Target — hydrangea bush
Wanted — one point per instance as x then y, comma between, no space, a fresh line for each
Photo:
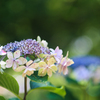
36,61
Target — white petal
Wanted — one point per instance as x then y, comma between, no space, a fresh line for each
52,51
28,71
15,65
2,63
3,66
1,48
21,61
38,39
44,43
10,55
9,63
17,54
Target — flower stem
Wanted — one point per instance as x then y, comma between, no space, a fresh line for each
25,88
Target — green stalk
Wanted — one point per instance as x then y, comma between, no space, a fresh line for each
25,88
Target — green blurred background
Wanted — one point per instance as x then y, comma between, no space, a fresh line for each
73,25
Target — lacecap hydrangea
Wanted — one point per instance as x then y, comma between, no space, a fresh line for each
33,55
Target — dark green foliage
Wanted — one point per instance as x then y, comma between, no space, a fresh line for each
59,22
2,98
35,78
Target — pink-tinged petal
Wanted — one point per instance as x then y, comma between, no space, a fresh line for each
29,63
10,55
65,70
9,63
49,72
17,54
58,51
21,61
15,65
34,65
70,62
2,52
57,48
20,68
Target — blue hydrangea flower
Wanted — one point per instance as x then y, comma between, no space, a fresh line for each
81,73
85,61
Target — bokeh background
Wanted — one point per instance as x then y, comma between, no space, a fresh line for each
73,25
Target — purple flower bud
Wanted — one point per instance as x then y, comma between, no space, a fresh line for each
28,46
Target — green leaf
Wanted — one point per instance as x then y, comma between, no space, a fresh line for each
32,57
2,98
27,58
13,99
35,78
60,91
48,87
8,82
71,81
42,84
93,90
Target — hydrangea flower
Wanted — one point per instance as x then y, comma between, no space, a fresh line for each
86,68
47,67
29,68
28,56
65,62
49,60
57,54
85,61
43,42
14,60
81,73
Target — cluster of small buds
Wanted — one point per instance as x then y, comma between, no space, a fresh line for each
28,46
49,62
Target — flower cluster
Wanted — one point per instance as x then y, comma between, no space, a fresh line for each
86,68
28,46
21,58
